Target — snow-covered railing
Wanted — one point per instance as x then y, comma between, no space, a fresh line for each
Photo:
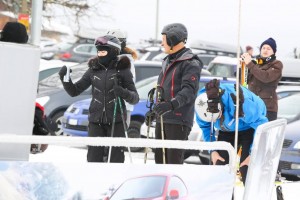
126,142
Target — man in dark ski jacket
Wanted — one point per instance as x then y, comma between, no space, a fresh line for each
101,73
177,87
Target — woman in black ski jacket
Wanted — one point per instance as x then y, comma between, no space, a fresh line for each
101,75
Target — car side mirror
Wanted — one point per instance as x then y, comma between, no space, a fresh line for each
174,194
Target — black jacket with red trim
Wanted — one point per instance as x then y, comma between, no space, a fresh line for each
180,80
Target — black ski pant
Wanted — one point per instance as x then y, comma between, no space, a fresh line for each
245,139
171,132
100,153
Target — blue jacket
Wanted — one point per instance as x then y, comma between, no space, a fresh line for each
254,109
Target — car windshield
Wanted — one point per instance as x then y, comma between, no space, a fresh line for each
141,188
224,70
206,59
288,107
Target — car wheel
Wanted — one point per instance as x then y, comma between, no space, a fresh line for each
57,118
134,132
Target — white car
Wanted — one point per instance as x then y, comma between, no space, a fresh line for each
49,67
195,134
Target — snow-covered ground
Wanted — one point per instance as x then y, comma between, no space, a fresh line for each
61,154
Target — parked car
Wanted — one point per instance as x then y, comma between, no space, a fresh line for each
223,66
226,66
160,55
47,45
151,187
81,51
214,48
289,162
54,98
205,50
49,67
51,52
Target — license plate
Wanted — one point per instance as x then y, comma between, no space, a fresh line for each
73,121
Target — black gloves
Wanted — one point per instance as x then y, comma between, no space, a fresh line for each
212,92
120,91
63,71
149,117
241,101
166,106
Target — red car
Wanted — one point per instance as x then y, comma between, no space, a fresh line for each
151,187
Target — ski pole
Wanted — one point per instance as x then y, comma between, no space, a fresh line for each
112,129
160,99
211,134
151,100
244,74
123,119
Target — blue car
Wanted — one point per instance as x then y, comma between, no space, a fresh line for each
75,120
288,105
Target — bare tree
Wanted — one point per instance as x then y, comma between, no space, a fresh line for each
75,13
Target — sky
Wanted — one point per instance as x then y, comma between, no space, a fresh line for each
211,20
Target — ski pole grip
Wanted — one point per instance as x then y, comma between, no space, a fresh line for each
67,76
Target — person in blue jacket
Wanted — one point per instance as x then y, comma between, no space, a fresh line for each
217,104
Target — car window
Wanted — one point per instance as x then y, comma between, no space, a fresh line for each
222,70
206,59
64,45
143,72
288,107
140,188
177,184
84,49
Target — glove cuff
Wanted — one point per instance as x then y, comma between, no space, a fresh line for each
174,103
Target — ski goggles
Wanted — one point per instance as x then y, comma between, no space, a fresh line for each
103,41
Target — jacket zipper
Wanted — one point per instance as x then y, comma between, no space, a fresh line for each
104,110
163,79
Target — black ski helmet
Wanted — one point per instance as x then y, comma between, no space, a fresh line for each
109,41
175,33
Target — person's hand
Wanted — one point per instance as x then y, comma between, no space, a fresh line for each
212,89
215,156
246,57
245,162
119,91
165,106
212,92
149,117
63,71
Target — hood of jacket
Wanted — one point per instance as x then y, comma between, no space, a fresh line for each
120,63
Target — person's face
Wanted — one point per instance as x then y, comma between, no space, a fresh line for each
102,53
266,51
164,44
